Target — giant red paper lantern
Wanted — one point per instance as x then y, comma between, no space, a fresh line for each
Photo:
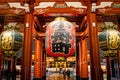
60,38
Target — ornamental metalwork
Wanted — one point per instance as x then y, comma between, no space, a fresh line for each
11,40
109,39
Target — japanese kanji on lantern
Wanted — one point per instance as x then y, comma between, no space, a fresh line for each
60,38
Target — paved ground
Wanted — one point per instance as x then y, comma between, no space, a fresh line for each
57,76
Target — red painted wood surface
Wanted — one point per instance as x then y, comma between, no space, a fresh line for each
38,59
27,49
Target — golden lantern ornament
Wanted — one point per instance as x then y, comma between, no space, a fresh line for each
109,39
10,40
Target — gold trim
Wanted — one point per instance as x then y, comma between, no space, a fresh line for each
61,18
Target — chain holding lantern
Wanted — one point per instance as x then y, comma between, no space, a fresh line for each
109,39
11,40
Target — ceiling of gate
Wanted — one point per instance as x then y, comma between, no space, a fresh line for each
41,9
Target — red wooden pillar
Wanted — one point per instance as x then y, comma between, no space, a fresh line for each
83,60
44,66
27,48
78,61
38,60
93,44
94,47
1,63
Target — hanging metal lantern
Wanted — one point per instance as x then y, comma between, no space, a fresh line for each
10,41
60,38
109,40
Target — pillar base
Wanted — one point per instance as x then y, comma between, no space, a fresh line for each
43,77
37,79
78,78
84,79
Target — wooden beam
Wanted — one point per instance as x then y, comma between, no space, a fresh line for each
57,0
4,1
77,19
84,21
43,19
42,34
60,11
12,11
108,11
37,25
